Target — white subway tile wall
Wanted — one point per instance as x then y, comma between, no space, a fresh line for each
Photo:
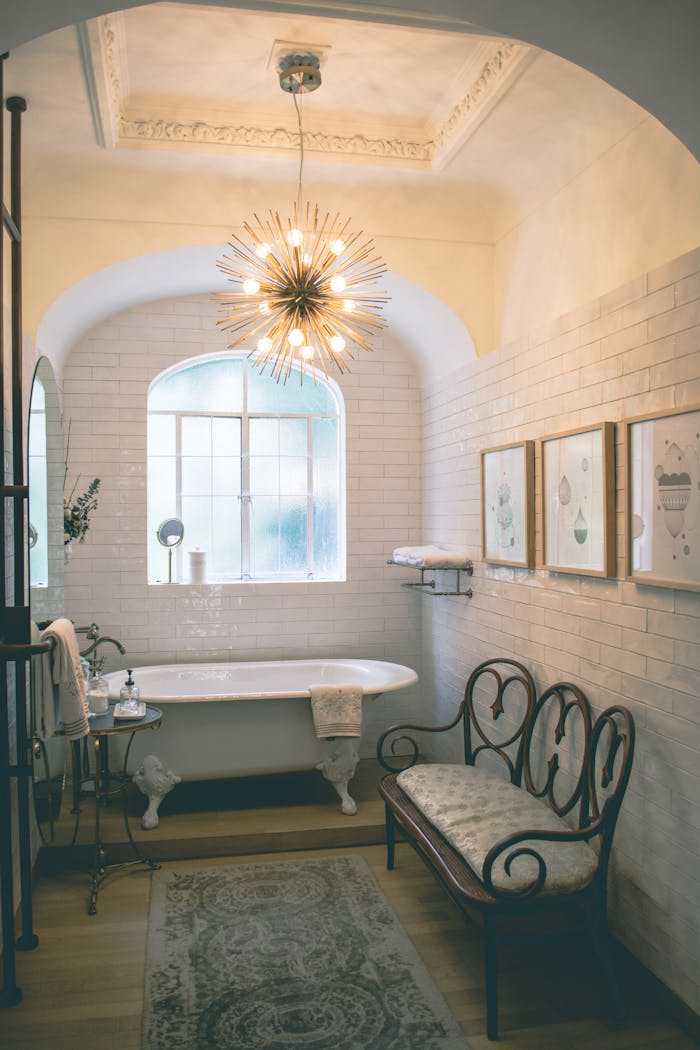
370,615
636,350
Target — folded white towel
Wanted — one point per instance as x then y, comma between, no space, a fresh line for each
430,557
336,710
67,674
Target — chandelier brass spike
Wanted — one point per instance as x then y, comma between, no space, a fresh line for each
306,285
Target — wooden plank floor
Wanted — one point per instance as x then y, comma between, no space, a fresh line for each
83,985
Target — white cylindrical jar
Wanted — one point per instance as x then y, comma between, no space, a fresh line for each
198,566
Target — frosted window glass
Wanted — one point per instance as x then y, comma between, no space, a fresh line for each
293,476
325,534
196,475
264,437
162,492
293,440
267,395
162,504
325,438
196,517
293,530
226,476
264,538
325,477
226,437
209,386
205,438
224,559
196,436
161,435
264,475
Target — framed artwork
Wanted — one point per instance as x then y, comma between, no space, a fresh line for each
663,499
508,504
578,501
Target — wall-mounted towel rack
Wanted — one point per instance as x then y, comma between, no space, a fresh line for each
428,586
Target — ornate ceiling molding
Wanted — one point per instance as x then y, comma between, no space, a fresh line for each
103,52
243,137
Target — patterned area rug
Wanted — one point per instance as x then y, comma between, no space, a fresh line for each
287,955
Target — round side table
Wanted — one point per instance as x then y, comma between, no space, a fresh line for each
108,784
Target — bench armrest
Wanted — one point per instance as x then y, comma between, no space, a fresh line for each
404,729
509,845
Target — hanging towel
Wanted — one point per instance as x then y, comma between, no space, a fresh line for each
67,674
430,557
336,710
44,692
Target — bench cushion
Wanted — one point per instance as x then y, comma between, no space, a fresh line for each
474,808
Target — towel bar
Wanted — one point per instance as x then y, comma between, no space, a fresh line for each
428,586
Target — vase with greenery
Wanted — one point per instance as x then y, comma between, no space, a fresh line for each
77,511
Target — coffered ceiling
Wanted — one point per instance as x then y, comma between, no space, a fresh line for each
187,89
169,76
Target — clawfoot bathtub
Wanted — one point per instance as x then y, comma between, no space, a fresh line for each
238,719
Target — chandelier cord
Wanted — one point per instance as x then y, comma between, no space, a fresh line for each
301,152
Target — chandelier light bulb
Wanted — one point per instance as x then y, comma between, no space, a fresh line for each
291,275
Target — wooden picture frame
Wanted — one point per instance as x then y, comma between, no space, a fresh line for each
508,504
578,501
662,487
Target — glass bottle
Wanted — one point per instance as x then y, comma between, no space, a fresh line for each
129,696
97,695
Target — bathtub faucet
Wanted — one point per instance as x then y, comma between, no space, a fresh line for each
92,650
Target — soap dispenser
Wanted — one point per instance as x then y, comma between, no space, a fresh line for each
129,696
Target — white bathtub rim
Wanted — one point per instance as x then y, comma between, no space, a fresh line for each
392,677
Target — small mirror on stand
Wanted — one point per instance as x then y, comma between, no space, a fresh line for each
170,533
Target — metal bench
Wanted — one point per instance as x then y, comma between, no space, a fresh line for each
523,827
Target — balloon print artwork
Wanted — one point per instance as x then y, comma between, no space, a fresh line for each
507,504
665,499
574,507
504,515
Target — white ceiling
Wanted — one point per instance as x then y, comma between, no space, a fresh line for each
171,115
189,89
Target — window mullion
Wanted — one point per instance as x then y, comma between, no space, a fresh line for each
178,489
245,482
310,496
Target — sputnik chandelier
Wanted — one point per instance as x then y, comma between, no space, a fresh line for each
306,283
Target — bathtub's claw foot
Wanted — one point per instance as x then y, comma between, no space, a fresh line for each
155,781
338,768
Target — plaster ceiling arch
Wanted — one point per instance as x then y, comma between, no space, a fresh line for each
418,321
645,49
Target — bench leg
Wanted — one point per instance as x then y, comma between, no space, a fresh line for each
390,838
491,969
603,948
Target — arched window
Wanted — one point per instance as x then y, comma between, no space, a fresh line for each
254,469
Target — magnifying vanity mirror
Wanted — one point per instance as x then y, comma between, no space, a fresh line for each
45,473
170,534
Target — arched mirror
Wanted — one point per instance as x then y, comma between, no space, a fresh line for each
45,474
